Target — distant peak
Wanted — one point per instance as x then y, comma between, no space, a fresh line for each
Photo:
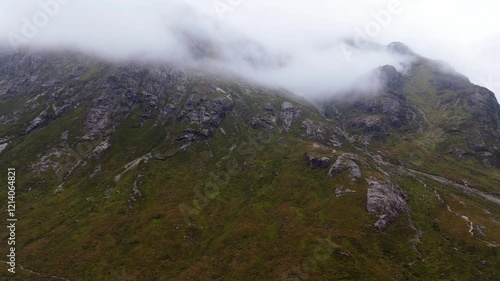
388,69
398,47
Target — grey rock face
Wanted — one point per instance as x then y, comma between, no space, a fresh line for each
100,148
37,122
368,124
380,114
484,130
346,161
283,119
320,132
484,107
386,112
287,106
391,78
289,114
265,124
192,135
313,131
134,195
197,112
386,200
317,162
3,146
97,120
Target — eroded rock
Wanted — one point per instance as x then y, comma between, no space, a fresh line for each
346,161
3,146
37,122
341,192
134,194
289,114
321,132
317,162
265,124
198,112
386,200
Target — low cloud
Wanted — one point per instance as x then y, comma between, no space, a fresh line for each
313,48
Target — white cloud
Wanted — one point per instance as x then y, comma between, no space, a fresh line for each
303,35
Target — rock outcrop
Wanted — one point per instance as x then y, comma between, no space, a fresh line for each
321,132
317,162
346,161
37,122
289,114
386,200
265,124
207,113
388,110
283,119
3,146
341,192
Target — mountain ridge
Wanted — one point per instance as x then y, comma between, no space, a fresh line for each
203,177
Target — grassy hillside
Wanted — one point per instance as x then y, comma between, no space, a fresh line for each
152,196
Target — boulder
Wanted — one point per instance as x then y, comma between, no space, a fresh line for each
317,162
386,200
346,161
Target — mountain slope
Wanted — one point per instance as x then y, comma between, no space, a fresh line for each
147,172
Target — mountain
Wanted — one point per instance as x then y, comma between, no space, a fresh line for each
137,171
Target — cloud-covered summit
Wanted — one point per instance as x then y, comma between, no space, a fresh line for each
310,47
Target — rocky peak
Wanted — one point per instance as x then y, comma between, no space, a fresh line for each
400,48
390,78
110,139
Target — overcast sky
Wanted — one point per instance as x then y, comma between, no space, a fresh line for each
294,44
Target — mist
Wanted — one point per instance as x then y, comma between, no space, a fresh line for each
313,48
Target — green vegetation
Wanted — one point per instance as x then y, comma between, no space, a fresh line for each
260,212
